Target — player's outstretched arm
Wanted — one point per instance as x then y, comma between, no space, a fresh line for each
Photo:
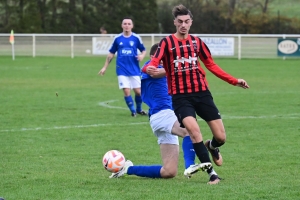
156,72
242,83
108,60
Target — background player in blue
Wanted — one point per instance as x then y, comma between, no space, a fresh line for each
166,128
127,44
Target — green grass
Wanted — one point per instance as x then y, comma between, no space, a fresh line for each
288,8
52,146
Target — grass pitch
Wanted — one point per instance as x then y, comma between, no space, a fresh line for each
52,145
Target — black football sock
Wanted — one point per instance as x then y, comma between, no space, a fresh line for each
201,152
215,144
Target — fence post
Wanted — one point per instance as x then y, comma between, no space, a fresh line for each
152,39
72,46
239,47
33,45
283,37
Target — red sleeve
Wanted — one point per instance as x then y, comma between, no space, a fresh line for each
209,63
155,60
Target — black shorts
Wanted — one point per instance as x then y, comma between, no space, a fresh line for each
200,103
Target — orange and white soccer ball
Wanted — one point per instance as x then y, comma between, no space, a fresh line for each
113,161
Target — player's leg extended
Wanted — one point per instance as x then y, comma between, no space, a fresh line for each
207,110
169,154
169,149
149,171
185,112
200,149
161,124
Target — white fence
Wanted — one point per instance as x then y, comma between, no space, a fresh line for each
244,45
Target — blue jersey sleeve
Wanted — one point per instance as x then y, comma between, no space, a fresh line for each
114,47
140,45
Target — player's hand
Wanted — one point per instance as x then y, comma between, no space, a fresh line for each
242,83
102,71
139,57
152,71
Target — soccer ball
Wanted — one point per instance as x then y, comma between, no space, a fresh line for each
113,161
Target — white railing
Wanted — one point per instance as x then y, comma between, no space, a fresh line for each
245,45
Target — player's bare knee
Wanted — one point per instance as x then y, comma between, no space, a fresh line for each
220,139
169,173
196,137
222,136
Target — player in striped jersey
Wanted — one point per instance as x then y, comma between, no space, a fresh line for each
166,128
127,44
189,88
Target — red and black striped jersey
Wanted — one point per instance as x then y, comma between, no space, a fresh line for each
183,69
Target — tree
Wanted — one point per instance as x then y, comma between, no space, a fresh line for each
151,16
31,21
165,18
43,12
113,12
145,16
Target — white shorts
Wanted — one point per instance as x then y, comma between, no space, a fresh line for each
162,124
129,82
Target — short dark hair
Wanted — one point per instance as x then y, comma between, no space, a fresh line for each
181,10
127,18
153,49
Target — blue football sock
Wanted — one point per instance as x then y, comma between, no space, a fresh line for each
130,104
188,151
152,171
138,101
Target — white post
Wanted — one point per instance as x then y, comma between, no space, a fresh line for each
283,36
72,46
239,47
152,39
33,45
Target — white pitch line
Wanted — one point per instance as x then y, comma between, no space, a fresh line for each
255,93
289,116
71,127
106,105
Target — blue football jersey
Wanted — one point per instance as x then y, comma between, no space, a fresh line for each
154,92
127,51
